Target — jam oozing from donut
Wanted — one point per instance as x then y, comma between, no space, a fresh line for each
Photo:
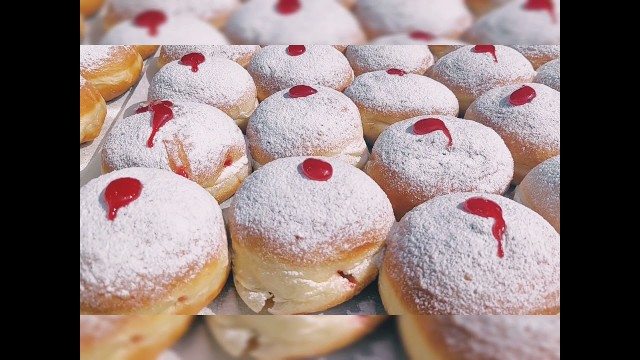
161,115
182,171
486,49
427,126
120,193
148,105
151,20
396,72
295,50
301,91
287,7
228,162
522,96
421,35
193,60
316,169
542,5
488,209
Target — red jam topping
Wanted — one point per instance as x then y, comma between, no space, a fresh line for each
426,126
522,96
488,209
182,171
396,72
147,107
193,60
161,115
228,162
316,169
486,49
542,5
295,50
421,35
301,91
151,20
120,193
287,7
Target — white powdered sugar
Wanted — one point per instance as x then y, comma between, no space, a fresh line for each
395,94
325,123
179,29
542,184
199,136
93,57
549,74
410,58
274,69
538,51
407,39
82,81
316,22
423,164
230,52
442,253
93,327
166,235
205,9
309,221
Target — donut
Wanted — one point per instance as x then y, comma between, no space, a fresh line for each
279,22
156,27
307,121
424,157
151,242
278,67
129,337
539,55
527,117
469,337
415,59
307,234
481,7
438,46
289,337
348,3
90,7
241,54
111,69
472,70
82,26
146,51
385,97
93,110
522,22
210,80
214,12
540,191
471,253
443,18
549,74
197,141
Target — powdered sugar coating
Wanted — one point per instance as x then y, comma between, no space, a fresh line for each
206,9
542,185
230,52
96,327
307,221
444,259
406,39
316,22
82,81
160,240
538,51
93,57
410,58
549,74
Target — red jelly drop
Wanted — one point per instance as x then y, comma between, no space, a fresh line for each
396,72
161,115
426,126
486,49
316,169
228,162
120,193
522,96
301,91
421,35
546,5
147,106
286,7
182,171
488,209
193,60
151,19
295,50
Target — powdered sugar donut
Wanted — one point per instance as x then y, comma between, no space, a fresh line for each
471,253
104,337
288,337
111,69
473,70
151,242
414,59
197,141
93,110
540,191
418,159
241,54
527,117
278,67
307,121
438,46
446,18
307,234
469,337
281,22
539,54
214,81
549,74
386,97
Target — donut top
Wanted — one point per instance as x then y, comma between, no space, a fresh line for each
399,93
194,143
415,38
446,252
550,51
543,186
230,52
203,8
305,221
549,74
410,58
165,235
96,56
478,71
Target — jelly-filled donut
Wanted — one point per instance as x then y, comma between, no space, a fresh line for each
540,191
539,55
93,110
111,69
439,46
549,74
414,59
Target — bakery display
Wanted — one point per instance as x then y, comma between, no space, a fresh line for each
111,69
540,190
241,54
93,110
549,74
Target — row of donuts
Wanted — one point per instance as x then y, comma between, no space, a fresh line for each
525,22
285,337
